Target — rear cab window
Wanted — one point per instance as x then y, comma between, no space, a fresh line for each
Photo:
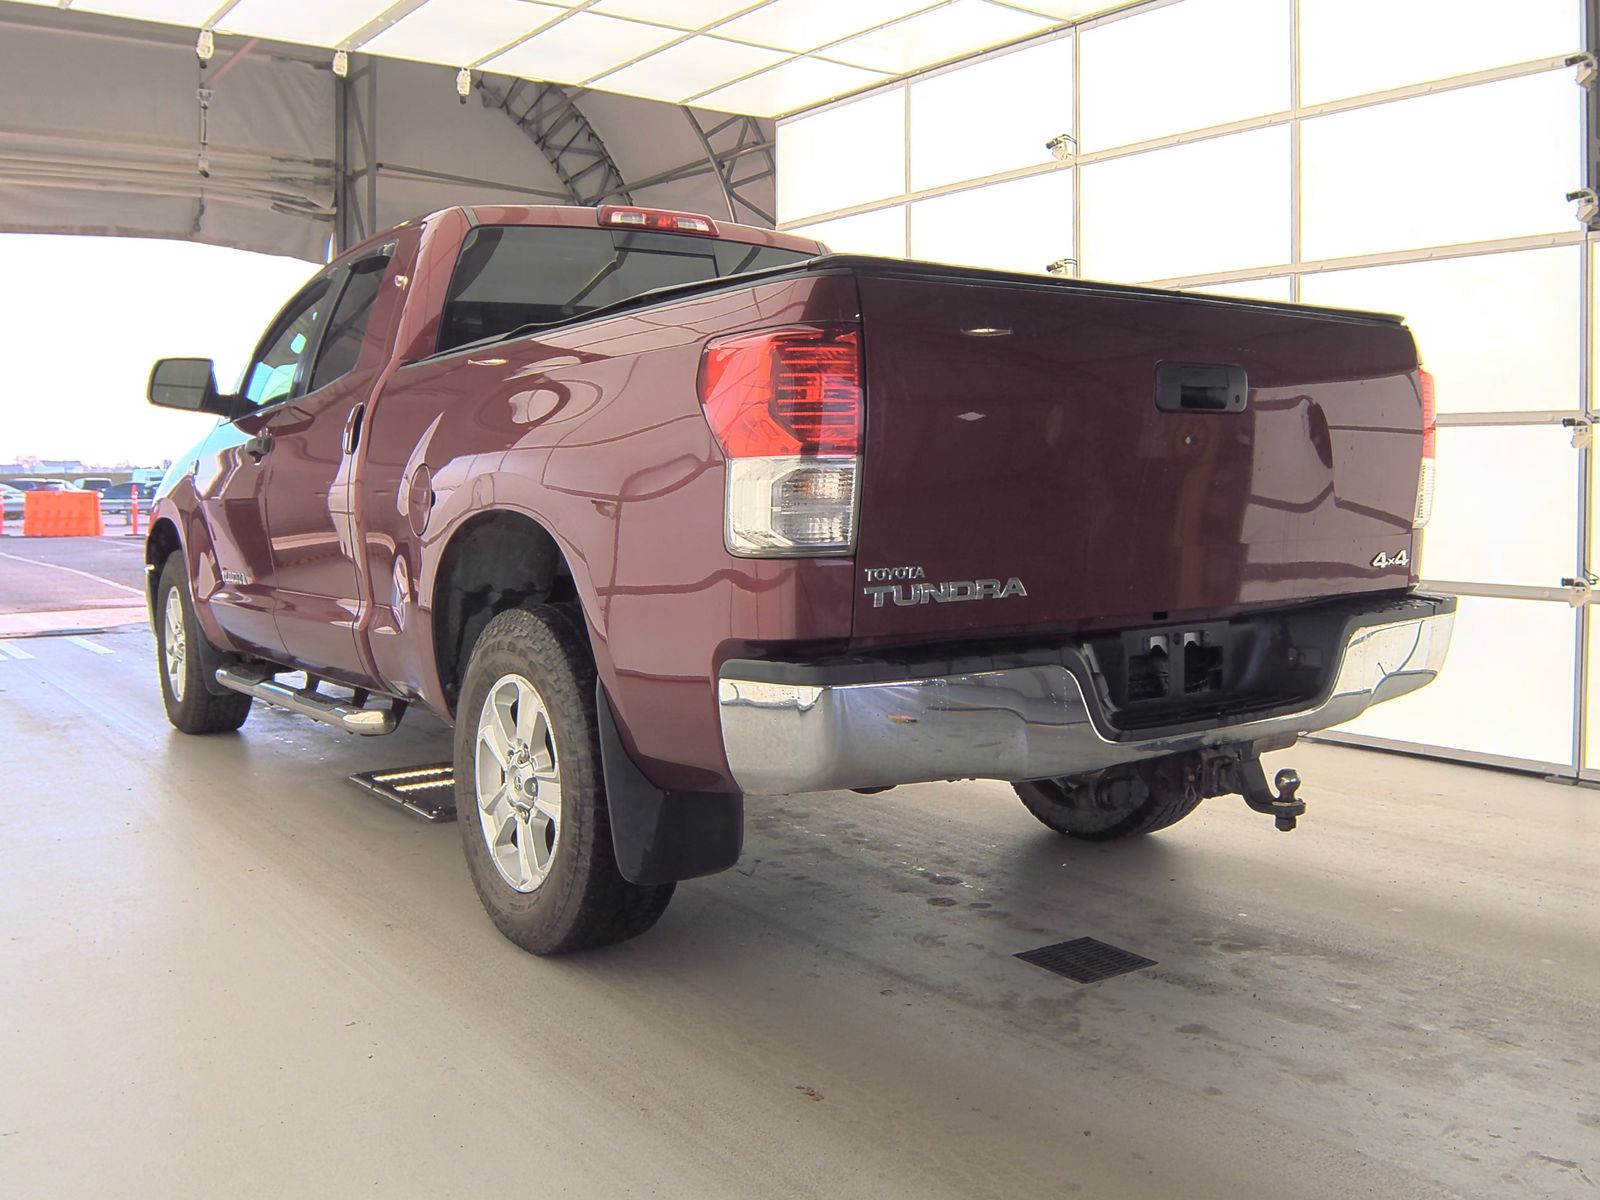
508,276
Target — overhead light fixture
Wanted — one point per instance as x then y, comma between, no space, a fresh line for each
341,63
463,84
205,46
1063,146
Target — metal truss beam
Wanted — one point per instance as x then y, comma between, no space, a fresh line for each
549,114
355,196
740,150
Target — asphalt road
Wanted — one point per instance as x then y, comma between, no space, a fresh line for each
51,574
226,971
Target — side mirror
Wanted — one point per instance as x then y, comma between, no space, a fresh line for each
190,385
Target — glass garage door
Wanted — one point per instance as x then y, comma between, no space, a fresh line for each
1414,156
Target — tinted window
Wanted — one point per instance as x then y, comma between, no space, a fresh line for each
514,275
347,329
272,374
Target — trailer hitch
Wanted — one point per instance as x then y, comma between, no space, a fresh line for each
1281,801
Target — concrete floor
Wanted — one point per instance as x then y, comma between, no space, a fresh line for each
225,971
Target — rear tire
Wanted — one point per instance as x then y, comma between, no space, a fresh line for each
1107,806
191,706
530,792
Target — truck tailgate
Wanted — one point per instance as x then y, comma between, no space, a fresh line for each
1014,434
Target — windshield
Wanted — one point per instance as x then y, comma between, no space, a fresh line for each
514,275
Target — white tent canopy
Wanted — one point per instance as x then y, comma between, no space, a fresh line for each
111,124
103,131
759,57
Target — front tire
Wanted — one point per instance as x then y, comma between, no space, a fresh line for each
530,792
191,706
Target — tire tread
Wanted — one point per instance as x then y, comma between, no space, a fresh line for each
597,906
201,711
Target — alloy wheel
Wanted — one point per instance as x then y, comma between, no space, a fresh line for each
517,778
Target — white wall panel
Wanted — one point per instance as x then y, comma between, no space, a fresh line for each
1506,688
843,156
1184,66
1591,749
955,135
1356,47
1280,289
1505,506
1592,673
1023,225
1474,164
1217,205
1449,178
882,231
1500,332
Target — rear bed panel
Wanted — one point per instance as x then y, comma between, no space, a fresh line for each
1013,433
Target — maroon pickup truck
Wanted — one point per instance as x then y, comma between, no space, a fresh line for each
662,513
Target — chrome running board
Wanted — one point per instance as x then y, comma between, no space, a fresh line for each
309,702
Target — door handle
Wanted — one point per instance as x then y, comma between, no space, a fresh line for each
352,428
258,446
1201,387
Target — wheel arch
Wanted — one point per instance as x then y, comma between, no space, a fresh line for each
494,561
160,544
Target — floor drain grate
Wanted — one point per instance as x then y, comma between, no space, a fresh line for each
428,791
1085,960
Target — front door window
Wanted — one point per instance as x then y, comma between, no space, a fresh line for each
273,374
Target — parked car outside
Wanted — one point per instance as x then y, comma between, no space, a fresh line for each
117,499
12,500
93,483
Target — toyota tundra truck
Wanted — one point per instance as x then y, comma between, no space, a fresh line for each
663,513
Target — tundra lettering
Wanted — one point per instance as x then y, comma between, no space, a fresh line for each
944,593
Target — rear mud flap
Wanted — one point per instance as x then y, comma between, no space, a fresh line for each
659,836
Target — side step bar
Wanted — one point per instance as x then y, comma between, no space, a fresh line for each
308,702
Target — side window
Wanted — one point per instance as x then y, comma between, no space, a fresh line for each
271,376
347,328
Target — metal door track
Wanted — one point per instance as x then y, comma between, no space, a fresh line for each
427,791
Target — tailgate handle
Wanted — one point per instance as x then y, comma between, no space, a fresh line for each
1200,387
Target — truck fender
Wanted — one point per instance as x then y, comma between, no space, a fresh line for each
661,836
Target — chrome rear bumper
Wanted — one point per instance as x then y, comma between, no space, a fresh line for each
1018,723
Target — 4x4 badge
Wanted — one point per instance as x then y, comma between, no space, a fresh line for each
1384,559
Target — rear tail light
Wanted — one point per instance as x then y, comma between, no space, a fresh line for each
786,407
659,219
1430,434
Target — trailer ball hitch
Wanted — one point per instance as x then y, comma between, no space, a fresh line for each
1281,801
